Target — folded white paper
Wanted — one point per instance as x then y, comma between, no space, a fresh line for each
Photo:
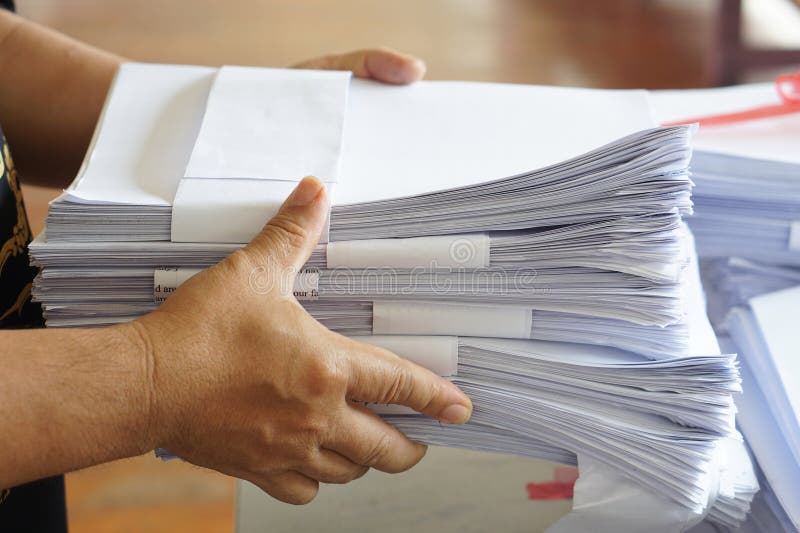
271,124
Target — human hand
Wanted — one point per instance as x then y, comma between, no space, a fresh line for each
379,64
244,381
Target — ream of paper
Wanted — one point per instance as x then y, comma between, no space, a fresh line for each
473,132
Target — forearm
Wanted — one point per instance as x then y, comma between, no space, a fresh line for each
71,399
52,90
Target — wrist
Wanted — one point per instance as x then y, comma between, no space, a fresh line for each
141,362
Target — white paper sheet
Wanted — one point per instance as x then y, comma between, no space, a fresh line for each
227,210
606,502
777,317
769,445
473,132
144,136
273,124
774,138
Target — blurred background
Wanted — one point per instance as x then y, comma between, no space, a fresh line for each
593,43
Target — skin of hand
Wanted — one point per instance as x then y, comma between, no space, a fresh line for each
244,381
380,64
236,379
53,88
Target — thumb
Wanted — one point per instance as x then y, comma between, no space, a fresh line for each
289,238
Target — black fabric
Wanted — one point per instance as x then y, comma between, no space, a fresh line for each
38,506
7,4
16,273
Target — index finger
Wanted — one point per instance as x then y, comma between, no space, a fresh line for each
376,375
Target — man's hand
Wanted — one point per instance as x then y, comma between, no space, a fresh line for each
244,381
379,64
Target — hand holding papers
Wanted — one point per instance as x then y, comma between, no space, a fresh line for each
529,229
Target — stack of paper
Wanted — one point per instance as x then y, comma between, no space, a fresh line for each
747,222
747,175
769,409
732,282
468,220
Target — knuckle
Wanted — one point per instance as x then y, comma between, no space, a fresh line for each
238,261
378,452
432,393
325,377
400,387
306,454
286,232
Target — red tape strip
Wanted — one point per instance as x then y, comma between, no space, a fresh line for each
788,87
550,490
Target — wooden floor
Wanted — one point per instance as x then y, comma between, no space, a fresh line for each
603,43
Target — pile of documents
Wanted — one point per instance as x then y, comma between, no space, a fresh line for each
526,242
765,334
733,281
747,224
747,199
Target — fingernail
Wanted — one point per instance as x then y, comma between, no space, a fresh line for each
305,192
420,67
455,414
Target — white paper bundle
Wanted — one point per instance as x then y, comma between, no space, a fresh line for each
769,408
501,214
649,246
578,291
733,281
392,318
397,178
747,175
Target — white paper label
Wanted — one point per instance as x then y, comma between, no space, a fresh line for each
166,280
794,236
438,354
467,320
272,124
448,251
227,210
306,285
